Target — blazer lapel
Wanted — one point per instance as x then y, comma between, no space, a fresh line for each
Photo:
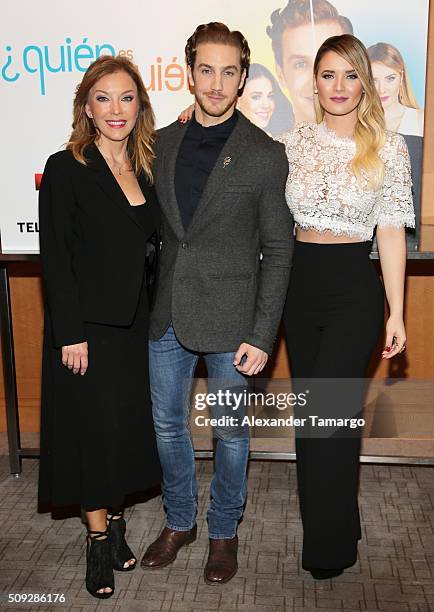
169,203
108,183
226,164
146,188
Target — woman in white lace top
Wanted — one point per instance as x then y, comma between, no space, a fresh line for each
347,176
324,194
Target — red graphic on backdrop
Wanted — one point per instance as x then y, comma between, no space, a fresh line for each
38,178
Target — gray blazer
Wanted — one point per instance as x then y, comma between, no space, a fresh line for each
212,285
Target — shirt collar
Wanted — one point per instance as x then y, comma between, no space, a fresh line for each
221,129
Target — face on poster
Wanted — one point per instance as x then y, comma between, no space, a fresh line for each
41,66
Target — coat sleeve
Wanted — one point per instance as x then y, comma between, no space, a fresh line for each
56,238
277,242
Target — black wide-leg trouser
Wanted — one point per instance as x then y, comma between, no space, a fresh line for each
333,318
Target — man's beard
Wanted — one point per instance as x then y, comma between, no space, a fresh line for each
213,111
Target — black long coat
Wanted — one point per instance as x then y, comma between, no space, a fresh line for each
97,437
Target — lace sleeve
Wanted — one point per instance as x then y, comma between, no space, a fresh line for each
290,140
396,209
281,138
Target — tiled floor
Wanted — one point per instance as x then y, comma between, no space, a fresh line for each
394,572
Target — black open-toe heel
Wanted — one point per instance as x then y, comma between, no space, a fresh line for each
99,571
119,549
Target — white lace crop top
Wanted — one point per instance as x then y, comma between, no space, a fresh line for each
323,193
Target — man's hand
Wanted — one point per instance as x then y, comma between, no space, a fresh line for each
74,357
255,359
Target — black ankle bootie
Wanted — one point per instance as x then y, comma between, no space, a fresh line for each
99,571
119,549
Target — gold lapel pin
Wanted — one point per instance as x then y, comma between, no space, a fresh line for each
227,161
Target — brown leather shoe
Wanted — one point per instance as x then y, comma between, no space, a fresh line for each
163,551
222,562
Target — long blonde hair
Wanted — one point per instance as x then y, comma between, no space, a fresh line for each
370,130
140,141
391,57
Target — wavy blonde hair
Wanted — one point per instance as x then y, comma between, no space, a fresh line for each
370,130
389,55
84,133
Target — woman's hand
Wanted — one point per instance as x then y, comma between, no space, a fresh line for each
395,337
186,114
74,357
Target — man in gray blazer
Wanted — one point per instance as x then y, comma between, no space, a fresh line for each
225,262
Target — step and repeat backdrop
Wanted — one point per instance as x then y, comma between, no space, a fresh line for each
46,46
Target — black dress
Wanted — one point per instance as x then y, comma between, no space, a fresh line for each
97,436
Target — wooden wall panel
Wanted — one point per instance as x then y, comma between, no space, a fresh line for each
428,154
418,361
26,300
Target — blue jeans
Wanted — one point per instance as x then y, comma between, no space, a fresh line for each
171,368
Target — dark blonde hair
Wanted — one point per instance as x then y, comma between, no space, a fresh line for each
390,56
84,132
370,131
216,32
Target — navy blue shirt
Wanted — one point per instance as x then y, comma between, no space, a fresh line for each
197,156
